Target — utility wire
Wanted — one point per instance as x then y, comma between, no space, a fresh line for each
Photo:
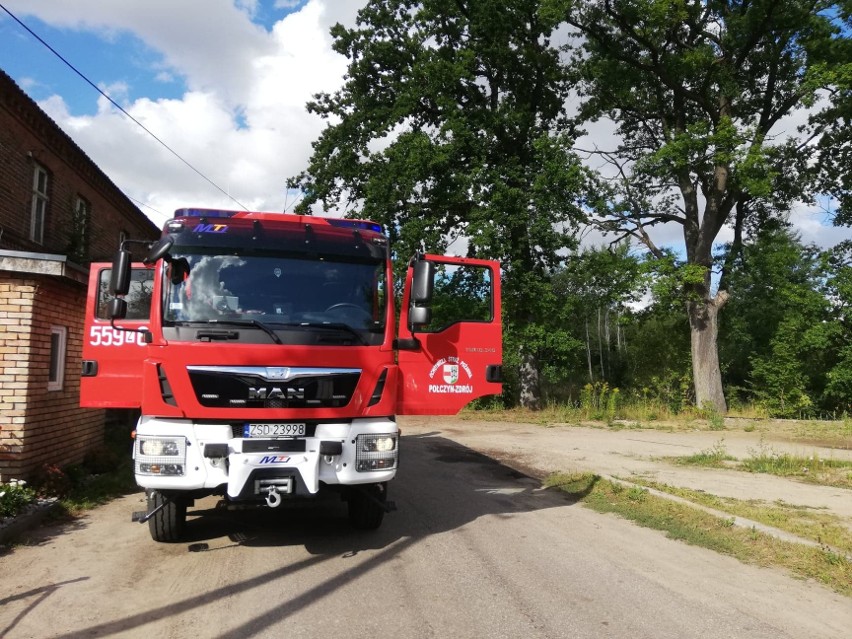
120,108
148,206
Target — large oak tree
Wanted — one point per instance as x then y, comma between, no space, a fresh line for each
702,95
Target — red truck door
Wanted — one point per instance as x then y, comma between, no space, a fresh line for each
112,358
458,356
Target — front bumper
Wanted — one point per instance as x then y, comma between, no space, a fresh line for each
244,468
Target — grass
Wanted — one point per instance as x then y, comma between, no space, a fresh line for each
696,527
827,472
808,523
812,468
715,457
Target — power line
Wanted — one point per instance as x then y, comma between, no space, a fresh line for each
148,206
120,108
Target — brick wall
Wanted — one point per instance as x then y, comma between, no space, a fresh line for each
41,426
15,328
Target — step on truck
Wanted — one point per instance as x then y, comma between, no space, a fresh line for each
264,356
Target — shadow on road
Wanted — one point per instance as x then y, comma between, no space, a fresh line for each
441,486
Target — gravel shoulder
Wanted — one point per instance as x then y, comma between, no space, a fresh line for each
541,450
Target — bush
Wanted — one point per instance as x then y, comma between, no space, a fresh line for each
51,481
14,497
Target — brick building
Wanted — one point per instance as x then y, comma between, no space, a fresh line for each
58,213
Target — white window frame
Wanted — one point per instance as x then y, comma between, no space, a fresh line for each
38,209
56,366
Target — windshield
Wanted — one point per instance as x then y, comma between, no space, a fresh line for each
281,293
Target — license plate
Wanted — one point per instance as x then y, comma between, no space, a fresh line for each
274,430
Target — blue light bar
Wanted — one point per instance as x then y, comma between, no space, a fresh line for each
363,225
205,213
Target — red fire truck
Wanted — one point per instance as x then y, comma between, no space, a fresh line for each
263,354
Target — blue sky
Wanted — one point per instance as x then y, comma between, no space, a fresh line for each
104,58
103,55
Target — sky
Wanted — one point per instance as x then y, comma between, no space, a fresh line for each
223,83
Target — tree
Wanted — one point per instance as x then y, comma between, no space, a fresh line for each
697,92
449,127
777,335
838,391
594,288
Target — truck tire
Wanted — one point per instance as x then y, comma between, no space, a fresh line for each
168,524
367,506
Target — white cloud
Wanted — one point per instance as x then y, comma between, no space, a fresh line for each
242,121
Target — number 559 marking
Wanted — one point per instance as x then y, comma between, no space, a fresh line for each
109,336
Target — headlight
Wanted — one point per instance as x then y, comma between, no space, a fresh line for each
160,455
158,447
376,452
378,443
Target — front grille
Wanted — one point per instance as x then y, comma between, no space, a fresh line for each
255,387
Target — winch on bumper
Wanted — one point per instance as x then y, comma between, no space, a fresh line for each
179,455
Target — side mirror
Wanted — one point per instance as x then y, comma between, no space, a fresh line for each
423,282
422,288
117,308
419,316
119,281
159,249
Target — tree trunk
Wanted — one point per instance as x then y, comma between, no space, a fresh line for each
600,346
704,330
529,381
589,352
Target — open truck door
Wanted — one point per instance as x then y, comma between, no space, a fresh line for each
450,335
112,358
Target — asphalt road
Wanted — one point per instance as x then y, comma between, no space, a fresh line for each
476,549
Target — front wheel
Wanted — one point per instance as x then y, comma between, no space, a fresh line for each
168,523
367,506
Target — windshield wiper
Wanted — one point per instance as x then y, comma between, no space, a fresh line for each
249,322
334,326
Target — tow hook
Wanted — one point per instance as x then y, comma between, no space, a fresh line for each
142,517
273,497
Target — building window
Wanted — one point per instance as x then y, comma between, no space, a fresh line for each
39,205
78,248
56,374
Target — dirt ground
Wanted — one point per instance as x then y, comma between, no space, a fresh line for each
627,452
476,549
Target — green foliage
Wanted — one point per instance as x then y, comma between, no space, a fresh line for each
599,402
715,420
697,92
779,338
451,129
450,126
15,497
714,457
462,293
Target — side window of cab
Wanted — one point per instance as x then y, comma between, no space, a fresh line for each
138,297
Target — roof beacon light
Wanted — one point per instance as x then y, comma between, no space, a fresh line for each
205,213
